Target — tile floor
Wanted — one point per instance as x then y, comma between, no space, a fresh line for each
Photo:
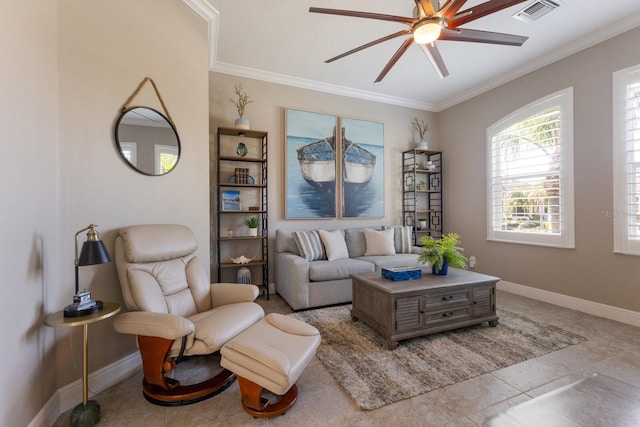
595,383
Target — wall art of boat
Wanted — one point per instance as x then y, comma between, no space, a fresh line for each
318,164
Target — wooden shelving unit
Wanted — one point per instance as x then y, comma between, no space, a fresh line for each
229,158
422,192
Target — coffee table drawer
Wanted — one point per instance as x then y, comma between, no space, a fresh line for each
448,316
449,299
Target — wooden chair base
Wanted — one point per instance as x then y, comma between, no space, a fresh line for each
187,394
254,404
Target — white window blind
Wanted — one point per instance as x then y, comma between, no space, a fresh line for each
626,159
530,165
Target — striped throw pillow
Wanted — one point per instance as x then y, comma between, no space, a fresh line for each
402,238
309,245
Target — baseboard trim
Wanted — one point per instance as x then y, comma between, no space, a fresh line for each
70,395
597,309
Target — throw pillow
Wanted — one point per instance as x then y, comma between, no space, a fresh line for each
309,245
402,238
334,244
379,242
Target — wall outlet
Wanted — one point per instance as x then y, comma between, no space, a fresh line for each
472,261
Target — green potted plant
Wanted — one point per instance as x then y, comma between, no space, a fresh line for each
241,103
421,127
253,223
422,222
442,253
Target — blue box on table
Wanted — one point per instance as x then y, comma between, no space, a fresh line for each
401,273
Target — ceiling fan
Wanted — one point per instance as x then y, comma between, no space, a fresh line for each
428,25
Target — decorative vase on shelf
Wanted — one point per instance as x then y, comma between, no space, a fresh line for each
244,276
242,123
422,145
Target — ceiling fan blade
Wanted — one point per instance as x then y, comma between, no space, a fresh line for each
373,43
394,58
369,15
483,9
432,52
478,36
426,7
450,8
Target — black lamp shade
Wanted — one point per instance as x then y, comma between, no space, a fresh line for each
93,252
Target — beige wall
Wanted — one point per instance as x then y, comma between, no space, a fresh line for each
267,113
70,67
29,261
591,271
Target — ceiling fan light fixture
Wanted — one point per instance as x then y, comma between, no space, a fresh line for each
427,32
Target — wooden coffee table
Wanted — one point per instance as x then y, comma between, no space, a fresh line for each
412,308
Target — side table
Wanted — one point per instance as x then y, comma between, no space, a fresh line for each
87,413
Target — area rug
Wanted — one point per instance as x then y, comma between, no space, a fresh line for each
374,376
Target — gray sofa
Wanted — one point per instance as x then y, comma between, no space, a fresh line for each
305,284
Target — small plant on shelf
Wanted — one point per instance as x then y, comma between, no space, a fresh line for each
420,126
252,222
442,253
242,101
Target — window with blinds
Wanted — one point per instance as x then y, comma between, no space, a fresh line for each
530,182
166,157
626,161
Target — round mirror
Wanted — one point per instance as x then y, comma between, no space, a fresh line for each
147,140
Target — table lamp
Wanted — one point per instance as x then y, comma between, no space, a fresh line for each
93,252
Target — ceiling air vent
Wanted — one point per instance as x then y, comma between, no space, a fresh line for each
535,10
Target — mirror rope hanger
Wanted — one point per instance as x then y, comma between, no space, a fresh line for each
155,88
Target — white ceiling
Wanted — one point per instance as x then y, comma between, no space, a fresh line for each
280,41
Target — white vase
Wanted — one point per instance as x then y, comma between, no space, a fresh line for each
422,145
253,232
242,123
244,275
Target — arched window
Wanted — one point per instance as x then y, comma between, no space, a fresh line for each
530,174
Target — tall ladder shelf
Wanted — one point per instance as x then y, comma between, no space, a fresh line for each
242,150
422,193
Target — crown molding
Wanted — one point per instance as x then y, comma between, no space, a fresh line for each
212,16
283,79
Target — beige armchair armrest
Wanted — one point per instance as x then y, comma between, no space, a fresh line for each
229,293
150,324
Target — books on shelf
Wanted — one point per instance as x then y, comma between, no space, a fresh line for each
242,175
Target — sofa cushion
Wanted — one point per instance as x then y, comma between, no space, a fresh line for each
309,245
397,260
324,270
379,242
334,244
284,241
355,242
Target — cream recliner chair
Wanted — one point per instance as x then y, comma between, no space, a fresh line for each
174,311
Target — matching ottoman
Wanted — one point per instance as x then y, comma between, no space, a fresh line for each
270,354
